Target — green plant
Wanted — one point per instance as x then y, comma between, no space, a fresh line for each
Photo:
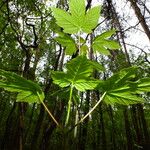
122,87
27,90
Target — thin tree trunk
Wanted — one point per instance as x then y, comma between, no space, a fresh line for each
136,125
37,129
110,111
102,125
144,126
85,124
129,136
140,17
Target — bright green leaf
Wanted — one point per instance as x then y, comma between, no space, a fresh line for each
142,85
91,19
86,84
77,10
77,75
96,65
118,89
102,44
122,98
27,90
107,34
77,20
68,42
100,49
65,20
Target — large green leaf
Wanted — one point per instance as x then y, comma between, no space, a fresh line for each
77,75
77,20
27,90
96,65
102,44
77,10
123,98
142,85
118,89
91,19
68,42
65,21
119,80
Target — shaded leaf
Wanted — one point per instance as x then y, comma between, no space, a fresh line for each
96,65
118,89
27,90
68,42
142,85
122,98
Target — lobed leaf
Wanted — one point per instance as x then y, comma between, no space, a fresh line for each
77,20
65,20
91,19
77,10
27,90
125,98
102,44
77,75
119,90
142,85
68,42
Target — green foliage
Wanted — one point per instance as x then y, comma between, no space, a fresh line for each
120,91
27,90
95,65
77,20
68,42
102,44
142,85
77,75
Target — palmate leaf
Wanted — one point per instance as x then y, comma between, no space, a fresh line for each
124,98
119,80
68,42
142,85
65,21
77,75
91,19
77,10
96,65
101,43
77,20
118,89
27,90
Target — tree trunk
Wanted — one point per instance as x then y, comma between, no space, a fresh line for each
140,17
102,126
110,111
129,136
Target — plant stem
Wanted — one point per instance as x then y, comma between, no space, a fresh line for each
82,119
48,111
50,114
76,121
69,105
79,34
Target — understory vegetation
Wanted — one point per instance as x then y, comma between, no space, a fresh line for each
69,80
